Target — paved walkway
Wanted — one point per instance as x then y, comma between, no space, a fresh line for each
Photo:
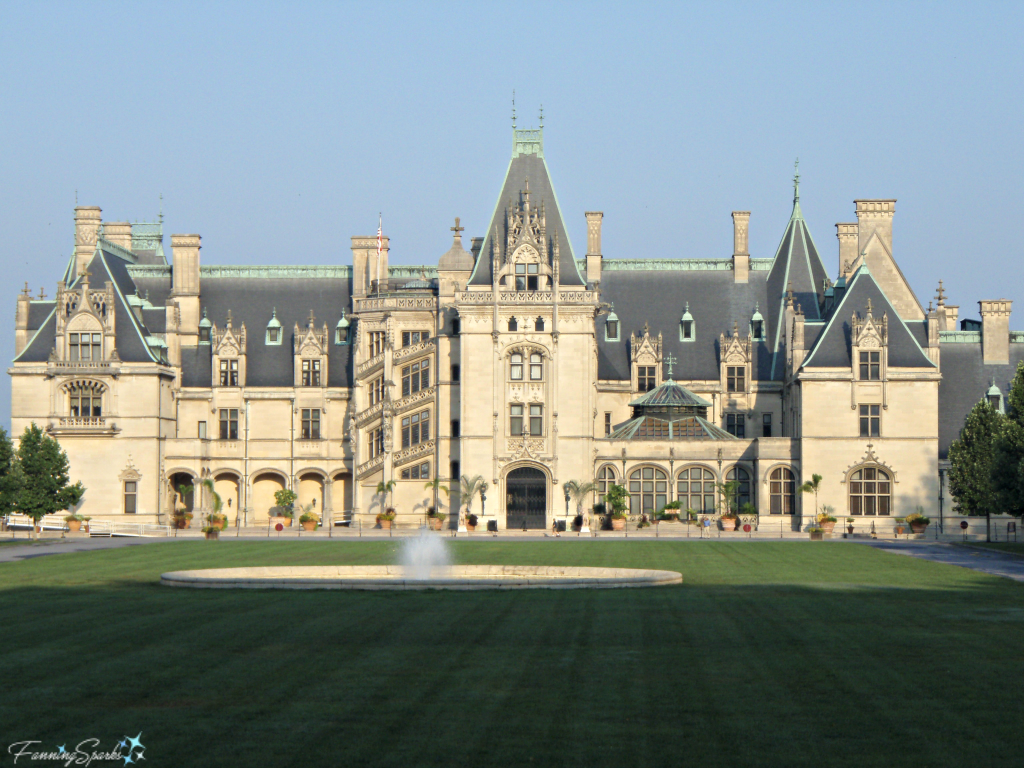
12,552
975,558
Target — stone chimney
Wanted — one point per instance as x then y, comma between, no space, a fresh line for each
848,253
740,249
594,246
21,332
118,233
874,216
995,331
185,281
87,230
952,312
364,265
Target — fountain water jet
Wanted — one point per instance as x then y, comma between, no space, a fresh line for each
425,556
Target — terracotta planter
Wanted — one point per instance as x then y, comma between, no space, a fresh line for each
816,535
470,527
849,529
74,526
285,521
220,521
385,524
212,535
919,527
434,523
827,527
618,524
899,530
309,525
728,523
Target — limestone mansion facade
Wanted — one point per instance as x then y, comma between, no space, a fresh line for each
515,360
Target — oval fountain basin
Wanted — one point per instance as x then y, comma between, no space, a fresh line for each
375,577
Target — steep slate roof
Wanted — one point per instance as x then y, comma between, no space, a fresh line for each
527,163
832,349
131,333
796,263
252,300
965,379
657,294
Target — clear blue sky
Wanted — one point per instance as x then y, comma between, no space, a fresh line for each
277,131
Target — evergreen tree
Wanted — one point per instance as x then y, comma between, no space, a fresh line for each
972,458
44,471
1008,468
10,475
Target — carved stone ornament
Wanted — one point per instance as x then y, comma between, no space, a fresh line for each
644,348
734,349
869,459
868,332
130,471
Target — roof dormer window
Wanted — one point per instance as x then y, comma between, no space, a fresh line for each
527,277
274,333
611,326
204,329
342,333
757,329
687,329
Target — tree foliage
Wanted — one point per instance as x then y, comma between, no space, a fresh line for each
45,487
1008,466
972,458
10,475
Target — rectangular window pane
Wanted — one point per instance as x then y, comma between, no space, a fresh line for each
201,430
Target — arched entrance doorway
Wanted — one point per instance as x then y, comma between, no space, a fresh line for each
182,492
526,499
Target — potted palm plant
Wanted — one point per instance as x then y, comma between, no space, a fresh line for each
387,517
471,522
578,492
670,511
727,501
435,520
813,486
618,499
469,488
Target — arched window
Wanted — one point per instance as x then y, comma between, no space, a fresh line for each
696,489
538,324
516,367
513,324
536,367
648,490
605,479
740,475
86,401
782,488
870,492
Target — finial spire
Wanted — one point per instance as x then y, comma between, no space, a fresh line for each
941,295
457,229
513,109
161,217
796,181
670,361
541,115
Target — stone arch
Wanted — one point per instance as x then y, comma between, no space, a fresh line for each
228,485
648,486
177,498
311,487
342,488
265,483
695,488
526,496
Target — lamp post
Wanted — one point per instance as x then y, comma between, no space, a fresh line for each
565,489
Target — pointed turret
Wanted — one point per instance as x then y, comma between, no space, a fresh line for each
527,200
796,266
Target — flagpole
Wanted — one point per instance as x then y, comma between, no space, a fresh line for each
380,243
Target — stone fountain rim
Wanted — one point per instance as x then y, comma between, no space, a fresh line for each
393,577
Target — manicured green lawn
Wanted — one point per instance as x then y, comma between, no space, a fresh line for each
788,654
